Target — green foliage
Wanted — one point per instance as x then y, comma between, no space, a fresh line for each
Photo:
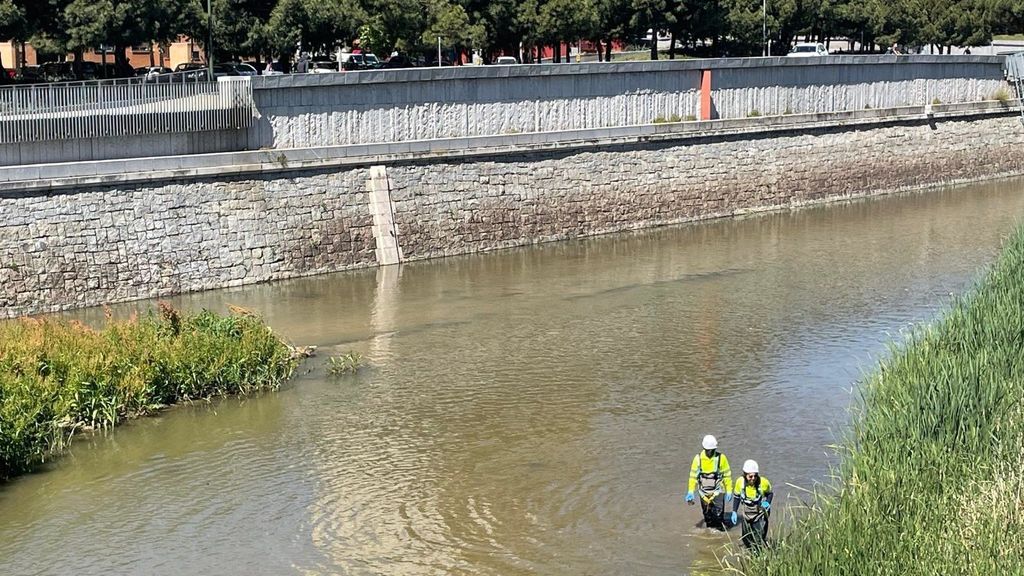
245,28
345,364
451,22
1001,95
930,477
12,20
58,377
753,113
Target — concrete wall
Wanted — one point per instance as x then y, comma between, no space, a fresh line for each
420,104
405,105
111,148
105,241
879,82
315,110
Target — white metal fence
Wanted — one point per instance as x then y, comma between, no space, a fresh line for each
74,110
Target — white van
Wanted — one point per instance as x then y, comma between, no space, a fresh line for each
808,49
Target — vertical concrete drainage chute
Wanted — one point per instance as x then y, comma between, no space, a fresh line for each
384,230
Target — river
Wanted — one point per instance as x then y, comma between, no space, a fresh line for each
531,411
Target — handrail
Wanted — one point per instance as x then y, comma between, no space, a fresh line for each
71,110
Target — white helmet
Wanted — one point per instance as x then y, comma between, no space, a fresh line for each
750,467
709,442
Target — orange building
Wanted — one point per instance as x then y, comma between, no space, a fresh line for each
10,53
182,51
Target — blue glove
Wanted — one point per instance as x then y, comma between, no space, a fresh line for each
728,497
766,505
689,497
735,521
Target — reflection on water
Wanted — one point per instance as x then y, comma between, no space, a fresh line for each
525,412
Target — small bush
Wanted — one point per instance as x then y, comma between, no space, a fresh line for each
690,118
936,101
787,111
344,364
1001,95
753,113
58,377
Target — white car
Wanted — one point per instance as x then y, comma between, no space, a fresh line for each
808,49
323,67
506,60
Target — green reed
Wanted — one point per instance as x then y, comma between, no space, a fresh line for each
59,377
931,476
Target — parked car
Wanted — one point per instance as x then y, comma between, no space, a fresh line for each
506,60
323,66
233,69
351,62
191,72
371,61
58,72
808,49
147,70
276,69
31,74
399,61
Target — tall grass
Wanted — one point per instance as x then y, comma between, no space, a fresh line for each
931,479
58,377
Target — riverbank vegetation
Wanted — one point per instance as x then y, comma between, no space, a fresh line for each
59,377
932,473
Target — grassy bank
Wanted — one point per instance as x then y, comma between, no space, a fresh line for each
932,472
59,377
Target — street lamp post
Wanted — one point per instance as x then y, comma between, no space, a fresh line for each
764,26
209,37
438,51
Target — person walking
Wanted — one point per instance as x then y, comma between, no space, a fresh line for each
710,475
754,494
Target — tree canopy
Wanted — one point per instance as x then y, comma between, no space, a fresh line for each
278,28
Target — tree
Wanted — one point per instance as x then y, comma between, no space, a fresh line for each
451,23
240,27
613,22
653,15
126,23
396,24
12,25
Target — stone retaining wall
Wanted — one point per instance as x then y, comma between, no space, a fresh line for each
105,243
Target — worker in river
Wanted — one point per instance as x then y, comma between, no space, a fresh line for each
710,475
754,494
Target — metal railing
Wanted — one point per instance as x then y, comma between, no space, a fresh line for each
182,102
1015,75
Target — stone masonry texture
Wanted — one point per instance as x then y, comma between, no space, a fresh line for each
106,244
101,245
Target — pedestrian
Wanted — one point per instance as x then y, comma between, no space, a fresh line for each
710,475
967,51
754,494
